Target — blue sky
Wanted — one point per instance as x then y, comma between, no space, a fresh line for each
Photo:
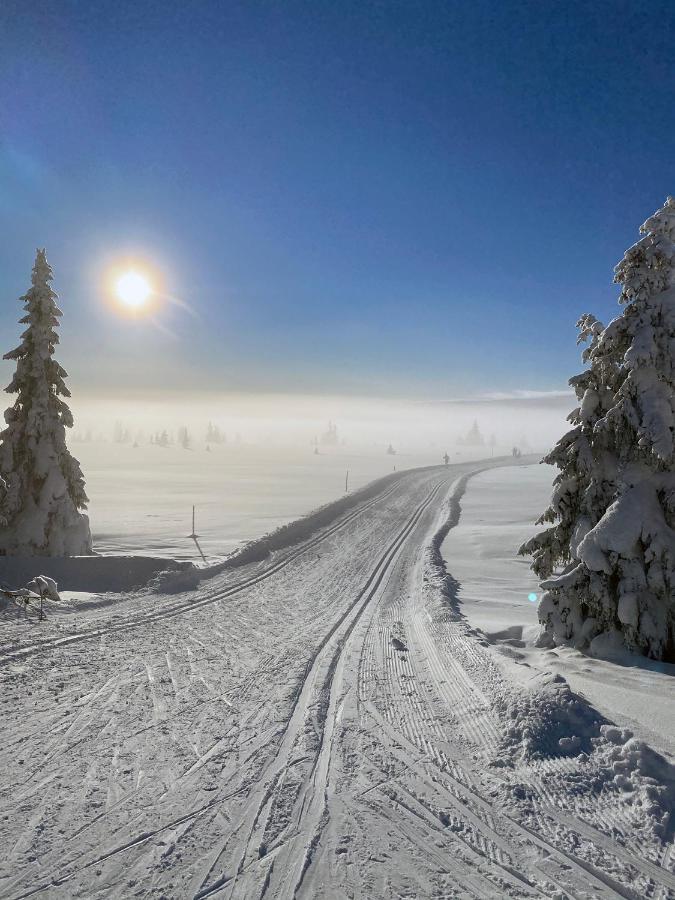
413,199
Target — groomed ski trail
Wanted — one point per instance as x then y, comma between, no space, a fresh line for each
319,724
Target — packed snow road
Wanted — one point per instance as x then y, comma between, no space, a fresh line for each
323,723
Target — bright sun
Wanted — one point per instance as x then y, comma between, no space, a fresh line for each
133,289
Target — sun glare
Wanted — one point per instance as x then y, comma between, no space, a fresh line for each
133,289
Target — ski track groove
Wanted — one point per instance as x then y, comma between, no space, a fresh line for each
376,577
420,723
146,618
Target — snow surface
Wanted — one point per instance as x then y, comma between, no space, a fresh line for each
141,497
498,512
323,722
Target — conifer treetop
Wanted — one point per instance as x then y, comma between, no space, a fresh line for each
642,341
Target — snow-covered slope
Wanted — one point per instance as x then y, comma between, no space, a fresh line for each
321,723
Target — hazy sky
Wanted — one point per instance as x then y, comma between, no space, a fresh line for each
396,198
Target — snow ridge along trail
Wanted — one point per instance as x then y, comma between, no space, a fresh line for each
320,724
140,618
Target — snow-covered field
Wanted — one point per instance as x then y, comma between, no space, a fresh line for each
141,497
327,722
498,512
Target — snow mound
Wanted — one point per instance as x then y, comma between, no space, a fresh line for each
631,765
548,721
175,581
437,579
552,721
11,608
96,574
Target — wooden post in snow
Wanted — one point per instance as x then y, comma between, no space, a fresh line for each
194,536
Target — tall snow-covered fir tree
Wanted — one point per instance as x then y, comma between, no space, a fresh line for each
40,510
609,558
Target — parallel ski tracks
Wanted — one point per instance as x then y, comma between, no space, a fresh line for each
322,663
279,870
415,731
319,677
190,605
277,838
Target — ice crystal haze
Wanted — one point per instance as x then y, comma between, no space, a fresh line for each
609,558
42,484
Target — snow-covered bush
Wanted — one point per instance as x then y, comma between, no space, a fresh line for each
44,586
39,513
613,504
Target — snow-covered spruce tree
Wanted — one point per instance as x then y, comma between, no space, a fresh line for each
581,492
44,483
613,503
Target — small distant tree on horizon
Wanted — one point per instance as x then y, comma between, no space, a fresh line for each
214,435
330,438
44,492
184,438
473,437
608,559
120,433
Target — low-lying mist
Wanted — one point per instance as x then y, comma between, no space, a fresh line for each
250,463
530,422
